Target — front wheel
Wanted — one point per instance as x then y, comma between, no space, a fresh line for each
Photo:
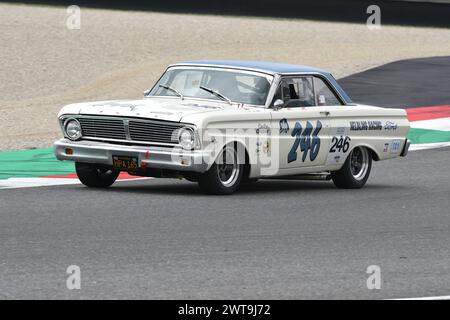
225,174
95,176
190,176
355,171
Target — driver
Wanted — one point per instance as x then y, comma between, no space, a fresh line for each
261,87
225,83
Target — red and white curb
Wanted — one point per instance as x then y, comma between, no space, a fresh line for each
432,119
12,183
440,124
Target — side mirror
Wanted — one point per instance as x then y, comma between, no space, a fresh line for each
146,92
278,104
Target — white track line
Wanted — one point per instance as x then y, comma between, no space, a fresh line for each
424,146
14,183
426,298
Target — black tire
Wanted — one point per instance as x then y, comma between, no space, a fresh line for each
95,176
245,178
349,176
214,181
190,176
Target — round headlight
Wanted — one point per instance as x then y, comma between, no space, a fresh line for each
73,129
186,138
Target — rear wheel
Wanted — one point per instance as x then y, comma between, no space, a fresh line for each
95,176
225,174
355,171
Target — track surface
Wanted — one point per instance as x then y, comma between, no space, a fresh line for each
274,239
400,84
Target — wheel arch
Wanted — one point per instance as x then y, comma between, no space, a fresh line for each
372,151
243,158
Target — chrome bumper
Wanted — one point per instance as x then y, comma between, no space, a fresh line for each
148,156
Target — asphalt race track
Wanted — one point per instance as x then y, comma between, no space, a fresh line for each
400,84
273,239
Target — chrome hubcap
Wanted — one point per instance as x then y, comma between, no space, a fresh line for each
359,163
228,167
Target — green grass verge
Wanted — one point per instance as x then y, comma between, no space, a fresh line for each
427,136
32,163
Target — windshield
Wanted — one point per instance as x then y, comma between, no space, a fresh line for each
216,84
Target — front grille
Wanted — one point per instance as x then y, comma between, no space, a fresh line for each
153,132
103,128
130,129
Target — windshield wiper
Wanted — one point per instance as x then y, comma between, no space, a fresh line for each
216,93
172,89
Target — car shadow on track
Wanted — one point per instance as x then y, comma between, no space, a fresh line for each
260,187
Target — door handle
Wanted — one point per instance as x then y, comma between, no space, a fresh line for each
325,113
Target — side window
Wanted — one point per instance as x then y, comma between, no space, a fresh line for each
296,92
324,95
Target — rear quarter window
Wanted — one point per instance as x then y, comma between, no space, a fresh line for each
324,95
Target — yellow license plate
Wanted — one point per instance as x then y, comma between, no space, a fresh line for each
125,163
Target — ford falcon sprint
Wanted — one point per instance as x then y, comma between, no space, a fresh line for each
225,123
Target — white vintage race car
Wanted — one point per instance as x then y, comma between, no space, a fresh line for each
224,123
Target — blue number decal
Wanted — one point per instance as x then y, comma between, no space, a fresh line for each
315,144
296,132
308,141
305,143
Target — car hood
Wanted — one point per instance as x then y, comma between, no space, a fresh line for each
154,108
